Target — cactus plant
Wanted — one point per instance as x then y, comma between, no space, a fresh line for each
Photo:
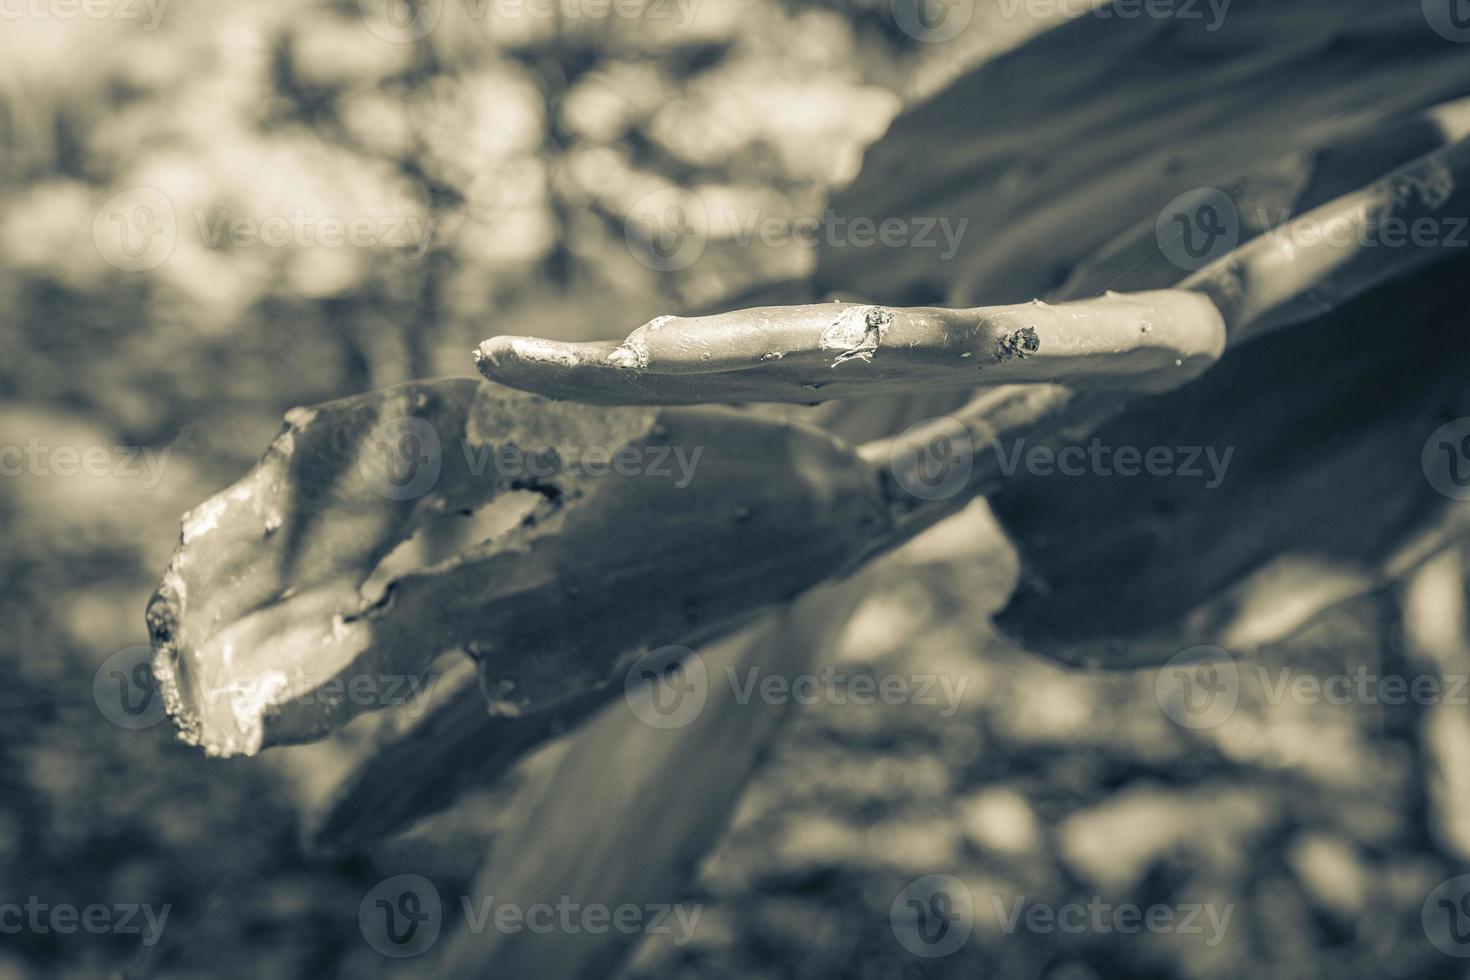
1276,345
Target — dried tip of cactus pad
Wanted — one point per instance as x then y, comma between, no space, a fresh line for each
261,604
655,525
811,353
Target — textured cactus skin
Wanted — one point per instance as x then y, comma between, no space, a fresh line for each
1053,149
816,352
1039,208
1326,482
261,607
419,765
284,548
774,508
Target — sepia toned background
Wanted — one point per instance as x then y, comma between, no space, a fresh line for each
173,179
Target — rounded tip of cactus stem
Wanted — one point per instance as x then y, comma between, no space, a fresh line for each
1137,342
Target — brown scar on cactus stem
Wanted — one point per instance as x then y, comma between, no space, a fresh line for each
1144,342
1023,343
874,321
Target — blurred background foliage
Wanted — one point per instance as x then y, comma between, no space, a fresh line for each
525,142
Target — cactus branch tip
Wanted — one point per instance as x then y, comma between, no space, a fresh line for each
816,352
